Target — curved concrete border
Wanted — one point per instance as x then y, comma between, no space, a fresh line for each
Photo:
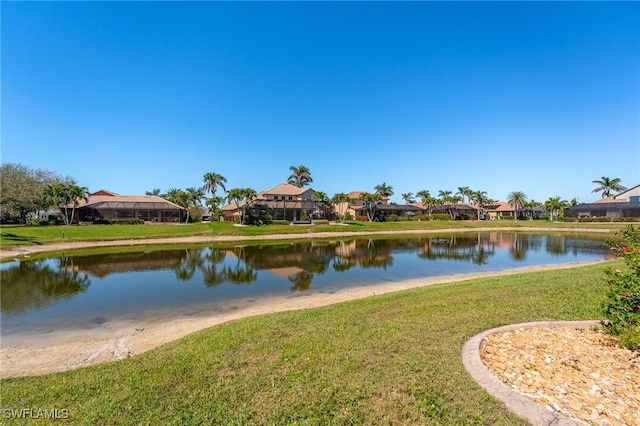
515,402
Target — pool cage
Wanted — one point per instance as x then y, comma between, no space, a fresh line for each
149,211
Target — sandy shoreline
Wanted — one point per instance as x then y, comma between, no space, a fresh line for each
67,351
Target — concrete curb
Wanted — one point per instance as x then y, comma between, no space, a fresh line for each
515,402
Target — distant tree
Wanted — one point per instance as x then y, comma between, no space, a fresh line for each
340,199
76,193
179,197
480,199
517,200
21,189
300,176
428,202
465,192
214,203
322,202
606,185
384,190
408,197
62,195
371,204
212,181
239,195
154,191
448,200
555,206
194,196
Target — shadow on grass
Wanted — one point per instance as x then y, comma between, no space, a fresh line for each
18,238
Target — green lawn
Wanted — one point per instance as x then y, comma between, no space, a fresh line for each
15,235
389,359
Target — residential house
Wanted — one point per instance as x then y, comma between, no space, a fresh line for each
109,205
624,204
282,202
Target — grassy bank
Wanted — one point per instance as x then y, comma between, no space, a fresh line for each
16,235
390,359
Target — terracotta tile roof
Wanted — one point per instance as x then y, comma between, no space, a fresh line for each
285,189
125,201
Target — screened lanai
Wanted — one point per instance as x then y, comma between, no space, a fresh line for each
150,208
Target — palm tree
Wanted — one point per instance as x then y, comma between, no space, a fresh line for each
322,202
154,191
428,201
480,199
554,206
517,200
179,197
340,199
214,203
77,193
300,176
384,190
212,181
63,194
237,195
465,192
607,185
370,201
448,199
408,197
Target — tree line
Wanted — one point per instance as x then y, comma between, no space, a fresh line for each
25,191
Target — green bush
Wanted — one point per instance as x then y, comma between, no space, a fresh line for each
392,217
441,216
622,305
279,222
121,221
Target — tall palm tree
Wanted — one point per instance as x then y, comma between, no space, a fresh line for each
212,181
517,200
606,185
154,191
300,176
384,190
465,192
340,199
408,197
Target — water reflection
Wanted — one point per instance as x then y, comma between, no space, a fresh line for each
34,285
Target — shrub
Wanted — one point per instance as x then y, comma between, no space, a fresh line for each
121,221
441,216
279,222
348,216
622,304
392,217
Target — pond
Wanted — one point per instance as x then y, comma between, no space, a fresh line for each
82,293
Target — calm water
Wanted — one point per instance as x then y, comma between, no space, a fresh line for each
87,293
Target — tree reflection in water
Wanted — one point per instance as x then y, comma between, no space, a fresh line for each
36,284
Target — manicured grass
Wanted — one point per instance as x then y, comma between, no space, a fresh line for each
14,235
389,359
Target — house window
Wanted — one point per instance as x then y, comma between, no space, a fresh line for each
290,197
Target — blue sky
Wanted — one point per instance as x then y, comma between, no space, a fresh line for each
538,97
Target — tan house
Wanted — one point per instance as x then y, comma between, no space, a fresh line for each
282,202
109,205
